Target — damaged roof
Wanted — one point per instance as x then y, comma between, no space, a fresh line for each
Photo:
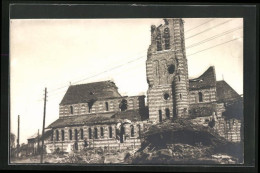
89,119
206,80
132,115
47,133
92,119
225,92
90,92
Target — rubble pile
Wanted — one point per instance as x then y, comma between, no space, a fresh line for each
181,142
174,154
89,156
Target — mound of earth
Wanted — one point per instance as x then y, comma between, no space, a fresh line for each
182,142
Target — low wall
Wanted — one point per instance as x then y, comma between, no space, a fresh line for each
206,109
68,146
229,129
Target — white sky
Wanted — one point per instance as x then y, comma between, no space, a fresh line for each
54,52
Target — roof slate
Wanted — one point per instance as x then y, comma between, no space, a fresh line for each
206,80
89,119
89,92
225,92
92,119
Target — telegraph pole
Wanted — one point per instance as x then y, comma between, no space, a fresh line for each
43,125
18,136
38,142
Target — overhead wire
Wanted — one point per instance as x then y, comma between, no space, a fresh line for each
192,53
193,45
199,25
208,29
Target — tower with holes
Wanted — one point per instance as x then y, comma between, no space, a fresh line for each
167,72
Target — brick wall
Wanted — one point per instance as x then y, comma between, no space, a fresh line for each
208,95
101,141
133,102
206,109
229,129
167,71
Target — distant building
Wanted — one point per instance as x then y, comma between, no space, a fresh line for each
34,142
96,115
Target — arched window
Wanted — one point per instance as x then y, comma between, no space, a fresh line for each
95,133
156,67
57,135
132,131
110,132
52,135
70,134
139,129
71,109
179,78
167,112
62,135
123,105
90,104
90,133
200,97
180,96
160,115
159,41
81,134
76,134
167,38
101,131
123,129
106,106
171,68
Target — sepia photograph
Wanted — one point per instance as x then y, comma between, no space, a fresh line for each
135,91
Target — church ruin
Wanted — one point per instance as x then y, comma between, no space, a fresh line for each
96,115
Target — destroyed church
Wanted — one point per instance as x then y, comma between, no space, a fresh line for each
96,115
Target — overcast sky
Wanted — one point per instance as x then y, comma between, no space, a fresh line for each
53,53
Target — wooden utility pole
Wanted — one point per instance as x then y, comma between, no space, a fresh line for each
43,124
18,136
38,142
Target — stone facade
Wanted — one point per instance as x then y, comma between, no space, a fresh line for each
95,115
95,136
102,106
229,129
167,72
208,95
171,94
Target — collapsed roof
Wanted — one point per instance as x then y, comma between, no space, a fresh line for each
99,118
206,80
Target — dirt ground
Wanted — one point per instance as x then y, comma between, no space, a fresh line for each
29,159
83,157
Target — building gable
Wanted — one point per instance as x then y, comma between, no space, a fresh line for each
206,80
90,92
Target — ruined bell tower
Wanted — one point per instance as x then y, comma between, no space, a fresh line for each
167,72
